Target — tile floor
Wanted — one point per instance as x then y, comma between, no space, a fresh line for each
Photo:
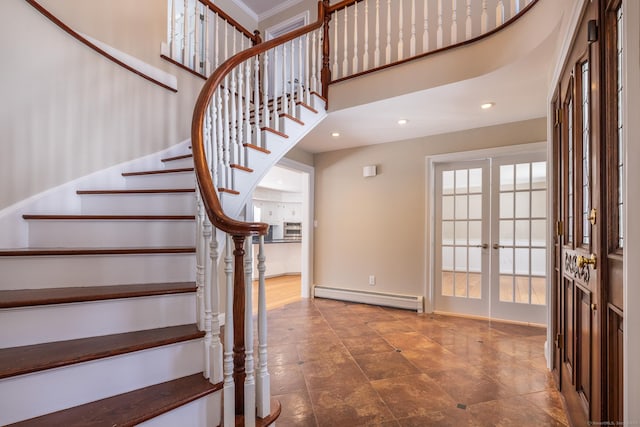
341,364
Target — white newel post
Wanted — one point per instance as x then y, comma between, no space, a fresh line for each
263,380
249,381
229,387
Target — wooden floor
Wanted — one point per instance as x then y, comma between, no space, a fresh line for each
281,290
343,364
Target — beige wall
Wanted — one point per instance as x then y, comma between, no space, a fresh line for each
305,5
67,111
376,226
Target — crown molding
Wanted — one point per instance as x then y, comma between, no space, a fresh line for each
279,8
246,9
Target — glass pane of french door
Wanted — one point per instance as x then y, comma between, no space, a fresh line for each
462,232
519,239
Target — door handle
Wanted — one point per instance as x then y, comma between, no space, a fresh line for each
497,246
483,246
582,261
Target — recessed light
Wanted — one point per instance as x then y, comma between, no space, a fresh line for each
335,134
487,105
403,121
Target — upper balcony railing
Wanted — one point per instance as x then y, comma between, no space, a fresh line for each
366,35
202,36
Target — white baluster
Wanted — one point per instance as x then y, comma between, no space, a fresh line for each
249,381
302,83
278,61
334,70
247,109
376,52
285,68
320,39
439,31
499,13
265,93
292,79
307,67
468,24
206,246
239,123
454,23
263,381
314,62
365,53
355,66
233,125
515,7
206,59
388,47
173,52
185,38
229,387
425,35
345,54
199,262
400,33
219,140
484,18
215,353
197,34
256,101
412,41
227,136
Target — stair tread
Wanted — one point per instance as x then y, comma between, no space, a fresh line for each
131,408
183,156
139,191
34,297
110,217
157,171
38,357
95,251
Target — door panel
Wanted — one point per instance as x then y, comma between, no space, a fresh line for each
588,246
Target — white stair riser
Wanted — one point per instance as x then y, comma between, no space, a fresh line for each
94,270
179,163
106,233
60,322
161,180
139,204
39,393
290,127
206,411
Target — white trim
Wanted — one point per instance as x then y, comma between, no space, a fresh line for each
308,210
246,9
407,302
279,8
295,22
137,64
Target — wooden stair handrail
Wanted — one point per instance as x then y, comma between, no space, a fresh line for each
209,196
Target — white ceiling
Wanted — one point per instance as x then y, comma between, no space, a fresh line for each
265,8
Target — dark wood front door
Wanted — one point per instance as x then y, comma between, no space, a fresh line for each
587,282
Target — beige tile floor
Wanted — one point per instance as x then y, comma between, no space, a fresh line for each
341,364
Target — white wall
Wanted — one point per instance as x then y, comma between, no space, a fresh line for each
66,111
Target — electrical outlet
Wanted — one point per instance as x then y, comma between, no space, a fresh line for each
372,280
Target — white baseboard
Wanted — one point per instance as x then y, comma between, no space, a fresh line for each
407,302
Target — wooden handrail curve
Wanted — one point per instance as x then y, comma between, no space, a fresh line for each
207,189
93,46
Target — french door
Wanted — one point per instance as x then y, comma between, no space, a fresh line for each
491,238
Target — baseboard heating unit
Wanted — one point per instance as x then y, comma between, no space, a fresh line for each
407,302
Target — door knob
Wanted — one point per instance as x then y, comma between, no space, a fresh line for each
497,246
582,261
483,246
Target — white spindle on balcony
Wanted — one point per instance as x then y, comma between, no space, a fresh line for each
454,22
439,31
412,40
355,66
400,34
387,50
376,54
345,40
334,70
425,34
484,18
500,13
468,24
365,53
